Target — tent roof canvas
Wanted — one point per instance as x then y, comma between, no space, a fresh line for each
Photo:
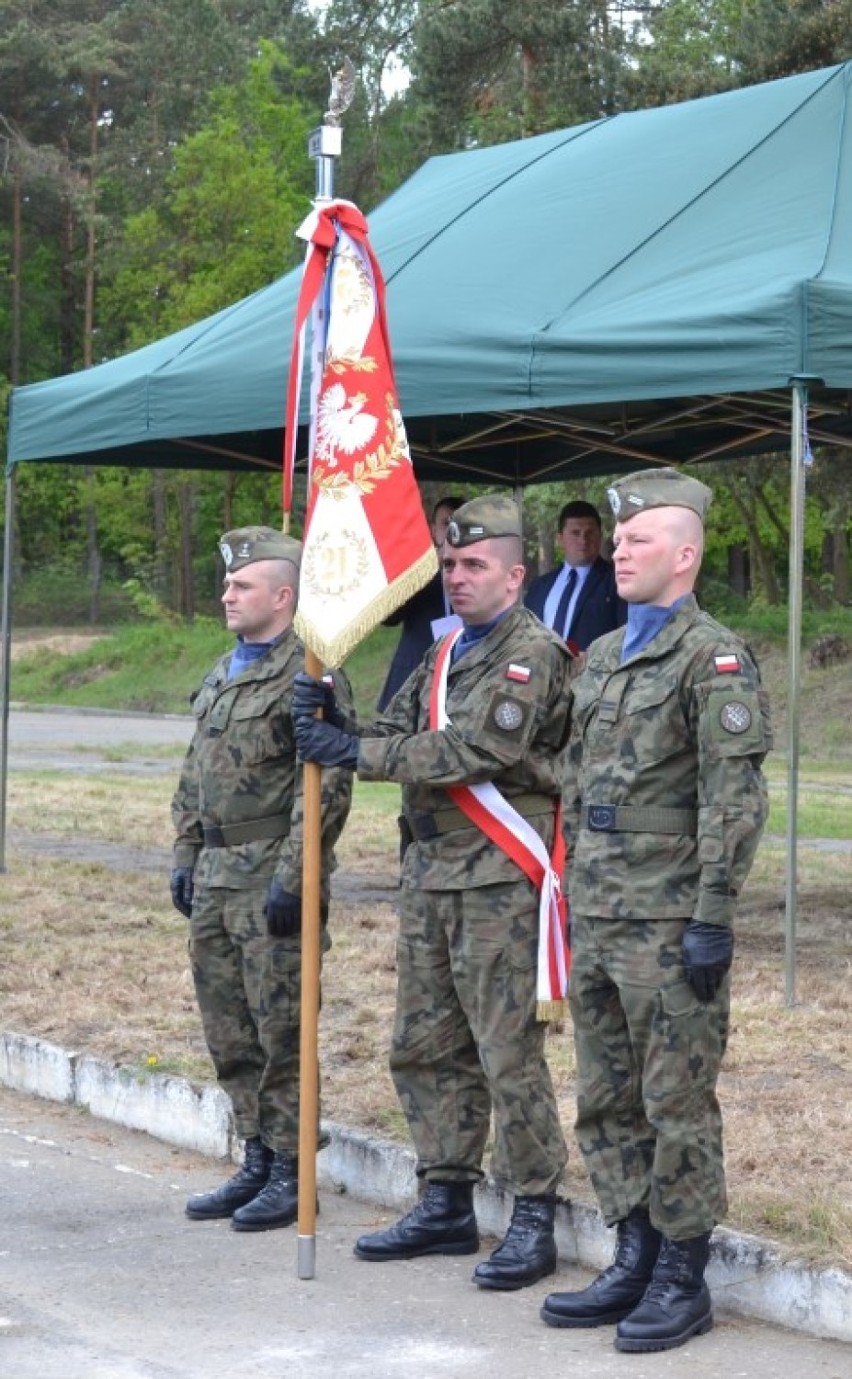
635,289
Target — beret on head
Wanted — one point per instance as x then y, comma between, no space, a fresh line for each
657,488
245,545
482,518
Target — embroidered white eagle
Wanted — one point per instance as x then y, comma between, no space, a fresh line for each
342,425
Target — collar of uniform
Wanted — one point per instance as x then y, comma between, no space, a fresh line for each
667,637
493,638
272,663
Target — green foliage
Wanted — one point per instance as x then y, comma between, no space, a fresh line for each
155,151
238,188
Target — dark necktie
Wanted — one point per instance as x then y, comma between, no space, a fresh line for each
562,611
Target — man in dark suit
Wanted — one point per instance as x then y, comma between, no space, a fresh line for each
579,599
429,605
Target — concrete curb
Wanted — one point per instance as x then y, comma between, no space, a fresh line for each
748,1276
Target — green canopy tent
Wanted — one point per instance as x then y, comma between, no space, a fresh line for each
669,285
641,288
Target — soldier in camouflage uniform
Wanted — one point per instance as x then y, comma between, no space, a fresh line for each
466,1040
664,807
237,873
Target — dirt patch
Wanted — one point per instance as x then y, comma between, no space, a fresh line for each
27,644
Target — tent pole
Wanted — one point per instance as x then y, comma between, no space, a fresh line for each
794,648
6,641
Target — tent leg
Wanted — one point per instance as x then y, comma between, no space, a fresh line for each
794,637
6,643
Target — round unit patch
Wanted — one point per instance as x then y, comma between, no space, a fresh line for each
508,716
735,717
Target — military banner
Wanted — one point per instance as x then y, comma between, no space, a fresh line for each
367,544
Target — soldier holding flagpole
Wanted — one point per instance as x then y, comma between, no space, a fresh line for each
367,544
474,738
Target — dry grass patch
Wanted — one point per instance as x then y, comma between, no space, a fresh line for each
95,959
102,806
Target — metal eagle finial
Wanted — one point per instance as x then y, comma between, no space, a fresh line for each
342,93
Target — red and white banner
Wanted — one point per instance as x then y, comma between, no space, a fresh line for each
513,834
367,543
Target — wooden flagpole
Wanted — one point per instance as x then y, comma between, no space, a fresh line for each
324,145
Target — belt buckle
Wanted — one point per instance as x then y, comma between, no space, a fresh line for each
602,818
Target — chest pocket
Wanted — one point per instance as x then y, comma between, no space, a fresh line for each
648,725
258,726
204,698
645,698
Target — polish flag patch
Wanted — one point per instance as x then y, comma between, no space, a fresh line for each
727,665
521,673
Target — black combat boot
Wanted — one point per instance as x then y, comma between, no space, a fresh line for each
615,1292
676,1304
277,1204
243,1187
528,1250
442,1223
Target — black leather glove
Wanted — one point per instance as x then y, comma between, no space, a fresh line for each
282,912
310,694
182,889
321,742
708,950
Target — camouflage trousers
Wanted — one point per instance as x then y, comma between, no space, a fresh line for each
466,1040
648,1058
248,988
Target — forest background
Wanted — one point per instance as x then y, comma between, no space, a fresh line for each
153,169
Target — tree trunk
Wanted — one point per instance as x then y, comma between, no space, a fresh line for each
186,506
738,572
95,564
840,564
91,233
764,577
66,275
17,278
160,574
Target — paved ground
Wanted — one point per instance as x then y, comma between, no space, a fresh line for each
75,740
102,1277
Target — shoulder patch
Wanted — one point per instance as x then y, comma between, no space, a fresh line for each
520,673
735,716
508,715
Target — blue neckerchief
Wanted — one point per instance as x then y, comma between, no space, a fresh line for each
474,633
644,621
246,653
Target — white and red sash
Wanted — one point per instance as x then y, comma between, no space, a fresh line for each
510,831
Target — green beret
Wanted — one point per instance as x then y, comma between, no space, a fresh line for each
248,544
657,488
482,518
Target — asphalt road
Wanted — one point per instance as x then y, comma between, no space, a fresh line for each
103,1277
85,740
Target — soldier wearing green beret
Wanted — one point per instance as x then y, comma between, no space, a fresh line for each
237,873
664,806
467,1040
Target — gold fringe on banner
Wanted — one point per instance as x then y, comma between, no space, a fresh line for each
333,651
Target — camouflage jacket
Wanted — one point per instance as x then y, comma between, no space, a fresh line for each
682,726
508,711
241,767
